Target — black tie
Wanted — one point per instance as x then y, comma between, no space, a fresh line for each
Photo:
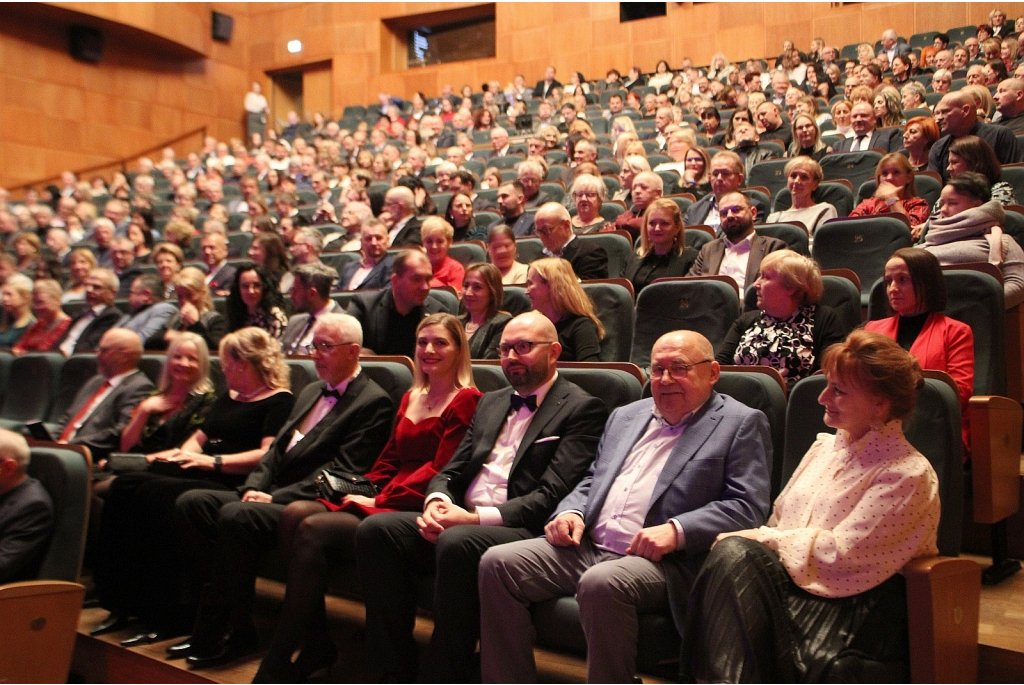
860,143
297,345
327,392
519,402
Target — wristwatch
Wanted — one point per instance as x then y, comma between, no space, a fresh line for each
218,463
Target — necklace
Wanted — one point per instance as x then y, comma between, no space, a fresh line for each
245,397
431,403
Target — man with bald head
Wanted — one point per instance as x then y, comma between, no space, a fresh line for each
1010,105
891,45
103,406
647,187
553,226
957,117
866,136
400,204
26,514
527,447
613,542
774,127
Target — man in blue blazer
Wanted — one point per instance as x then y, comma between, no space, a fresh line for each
671,473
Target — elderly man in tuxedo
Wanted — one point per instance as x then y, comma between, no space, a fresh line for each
671,474
526,448
340,422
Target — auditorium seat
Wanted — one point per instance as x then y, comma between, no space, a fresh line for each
613,304
36,376
468,252
65,474
862,244
795,236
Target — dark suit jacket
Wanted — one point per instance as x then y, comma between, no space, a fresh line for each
484,343
379,276
540,91
709,259
297,327
522,226
589,260
223,279
888,139
101,432
553,456
1001,139
409,235
125,279
90,338
349,439
512,150
372,309
26,522
698,212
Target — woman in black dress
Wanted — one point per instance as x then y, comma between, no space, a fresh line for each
662,252
191,441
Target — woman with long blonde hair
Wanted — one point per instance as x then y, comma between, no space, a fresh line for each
555,292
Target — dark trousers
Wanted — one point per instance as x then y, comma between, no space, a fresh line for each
393,558
225,538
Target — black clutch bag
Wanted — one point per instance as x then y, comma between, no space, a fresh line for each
334,485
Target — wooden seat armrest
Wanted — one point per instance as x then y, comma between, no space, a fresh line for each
943,606
995,452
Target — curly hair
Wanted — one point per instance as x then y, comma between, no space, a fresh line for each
237,312
257,348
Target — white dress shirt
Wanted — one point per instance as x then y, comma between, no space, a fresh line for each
75,332
734,261
321,409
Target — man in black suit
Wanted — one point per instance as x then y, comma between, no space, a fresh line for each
311,297
543,88
26,512
389,317
341,423
526,448
738,253
512,205
373,270
957,117
88,327
500,146
727,176
122,260
219,274
400,204
866,136
102,407
553,226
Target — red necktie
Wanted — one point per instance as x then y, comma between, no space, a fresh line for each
69,430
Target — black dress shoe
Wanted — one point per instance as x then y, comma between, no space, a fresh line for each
231,649
112,623
143,638
180,650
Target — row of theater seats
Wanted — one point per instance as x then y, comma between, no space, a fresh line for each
939,588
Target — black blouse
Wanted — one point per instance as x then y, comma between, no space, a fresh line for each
578,336
642,271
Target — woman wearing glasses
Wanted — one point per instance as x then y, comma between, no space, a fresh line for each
432,419
789,330
588,193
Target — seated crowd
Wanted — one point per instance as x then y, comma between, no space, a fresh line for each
535,491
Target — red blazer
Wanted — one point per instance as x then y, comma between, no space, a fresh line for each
944,344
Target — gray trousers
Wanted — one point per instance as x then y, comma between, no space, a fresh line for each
611,591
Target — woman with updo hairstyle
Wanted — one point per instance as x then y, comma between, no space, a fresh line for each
919,134
916,294
169,260
631,166
555,292
789,331
192,441
462,217
662,252
501,251
482,298
821,582
51,321
437,237
803,175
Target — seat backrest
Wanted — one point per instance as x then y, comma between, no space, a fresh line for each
832,192
556,191
617,246
395,377
842,295
855,167
467,253
441,201
1013,225
6,359
976,299
862,245
769,174
758,389
515,301
448,299
616,387
489,377
506,162
614,306
933,429
38,631
794,236
74,373
152,365
36,377
65,475
1014,175
302,372
697,239
529,250
705,305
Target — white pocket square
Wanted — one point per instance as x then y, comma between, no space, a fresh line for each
551,439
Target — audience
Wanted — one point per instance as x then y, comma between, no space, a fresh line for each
51,322
555,292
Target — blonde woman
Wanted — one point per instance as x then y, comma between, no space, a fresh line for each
437,238
555,292
16,295
588,194
196,313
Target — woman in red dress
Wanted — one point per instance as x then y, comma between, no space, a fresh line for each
432,419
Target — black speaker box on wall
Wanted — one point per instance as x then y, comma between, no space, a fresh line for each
222,24
86,44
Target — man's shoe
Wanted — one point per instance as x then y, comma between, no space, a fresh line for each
112,623
229,650
180,650
143,638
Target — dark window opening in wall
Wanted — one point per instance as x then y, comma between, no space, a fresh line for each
451,42
631,11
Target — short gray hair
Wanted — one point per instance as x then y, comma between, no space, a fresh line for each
345,325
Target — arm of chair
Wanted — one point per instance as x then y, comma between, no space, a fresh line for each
995,451
943,605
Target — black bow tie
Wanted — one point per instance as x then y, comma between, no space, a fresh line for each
327,392
519,402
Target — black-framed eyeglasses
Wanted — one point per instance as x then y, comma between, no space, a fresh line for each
522,347
324,347
677,370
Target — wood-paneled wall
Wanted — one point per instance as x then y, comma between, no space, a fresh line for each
56,113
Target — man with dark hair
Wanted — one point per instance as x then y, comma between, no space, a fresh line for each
957,116
512,205
727,175
568,116
26,512
122,263
543,88
149,311
463,181
389,317
554,228
311,297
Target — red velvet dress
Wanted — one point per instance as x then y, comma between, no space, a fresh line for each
415,454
